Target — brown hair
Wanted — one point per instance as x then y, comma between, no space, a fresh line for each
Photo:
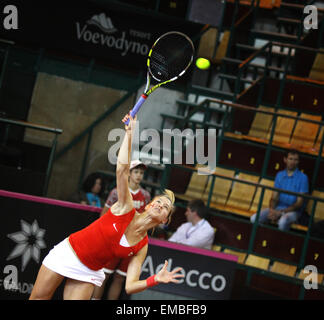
198,206
170,195
291,151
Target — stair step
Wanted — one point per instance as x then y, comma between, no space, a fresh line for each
274,51
291,5
289,20
246,46
211,92
231,77
197,105
298,7
177,117
272,36
238,61
187,103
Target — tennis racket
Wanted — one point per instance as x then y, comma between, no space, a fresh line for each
169,58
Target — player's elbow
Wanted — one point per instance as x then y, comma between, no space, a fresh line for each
129,289
133,286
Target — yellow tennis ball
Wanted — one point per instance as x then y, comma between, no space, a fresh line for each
202,63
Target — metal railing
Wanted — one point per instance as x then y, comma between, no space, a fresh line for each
55,131
307,237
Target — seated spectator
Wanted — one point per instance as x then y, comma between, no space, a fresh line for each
91,191
197,232
285,209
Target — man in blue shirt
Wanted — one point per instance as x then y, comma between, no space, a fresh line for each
285,208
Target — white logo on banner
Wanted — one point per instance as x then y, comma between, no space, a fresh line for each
122,41
192,278
29,242
102,22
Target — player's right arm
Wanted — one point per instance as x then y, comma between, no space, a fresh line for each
125,202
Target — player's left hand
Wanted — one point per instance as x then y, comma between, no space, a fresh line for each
164,276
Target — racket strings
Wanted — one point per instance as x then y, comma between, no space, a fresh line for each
171,55
160,67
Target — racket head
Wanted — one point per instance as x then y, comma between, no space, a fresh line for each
170,56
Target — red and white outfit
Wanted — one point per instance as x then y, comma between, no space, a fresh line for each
141,198
83,255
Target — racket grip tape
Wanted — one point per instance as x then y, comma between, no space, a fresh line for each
137,106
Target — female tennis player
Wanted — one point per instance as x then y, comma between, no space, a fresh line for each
121,232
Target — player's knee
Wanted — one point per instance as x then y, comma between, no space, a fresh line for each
37,294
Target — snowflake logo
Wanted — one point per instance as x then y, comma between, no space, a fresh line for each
29,242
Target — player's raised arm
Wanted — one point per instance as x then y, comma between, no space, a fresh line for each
125,202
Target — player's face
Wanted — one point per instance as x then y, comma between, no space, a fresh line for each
136,175
291,161
161,208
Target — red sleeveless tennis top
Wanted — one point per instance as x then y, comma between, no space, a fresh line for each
96,244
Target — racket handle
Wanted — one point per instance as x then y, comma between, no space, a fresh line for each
137,106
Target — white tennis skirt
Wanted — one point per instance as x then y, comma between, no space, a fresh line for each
63,260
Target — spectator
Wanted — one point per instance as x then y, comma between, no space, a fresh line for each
286,209
141,198
197,232
91,191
